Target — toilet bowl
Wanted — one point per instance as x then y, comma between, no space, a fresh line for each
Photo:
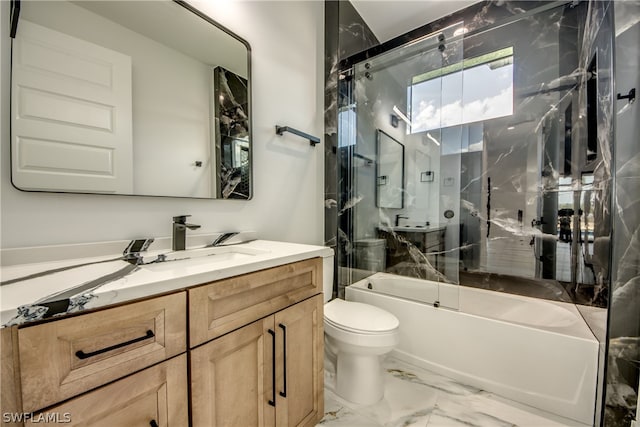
359,336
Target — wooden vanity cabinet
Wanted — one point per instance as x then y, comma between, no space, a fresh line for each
270,371
264,374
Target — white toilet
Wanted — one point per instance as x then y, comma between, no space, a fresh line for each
357,336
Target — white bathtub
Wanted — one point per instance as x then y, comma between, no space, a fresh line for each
537,352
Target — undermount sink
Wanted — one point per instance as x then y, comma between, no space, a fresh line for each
217,251
199,256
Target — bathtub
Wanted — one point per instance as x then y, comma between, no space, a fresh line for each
537,352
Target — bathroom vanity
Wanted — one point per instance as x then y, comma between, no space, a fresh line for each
427,240
237,341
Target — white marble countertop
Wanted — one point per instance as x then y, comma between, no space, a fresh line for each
18,300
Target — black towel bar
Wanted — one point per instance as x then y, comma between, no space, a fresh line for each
312,139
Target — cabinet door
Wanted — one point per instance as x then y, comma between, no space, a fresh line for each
232,378
299,364
154,396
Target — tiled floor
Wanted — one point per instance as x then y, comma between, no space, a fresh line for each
417,397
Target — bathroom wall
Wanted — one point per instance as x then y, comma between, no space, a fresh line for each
624,317
287,62
346,33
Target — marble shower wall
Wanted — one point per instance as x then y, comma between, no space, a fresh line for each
346,34
624,311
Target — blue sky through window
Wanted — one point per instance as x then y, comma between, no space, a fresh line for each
479,92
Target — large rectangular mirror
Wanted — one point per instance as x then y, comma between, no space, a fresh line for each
389,172
133,98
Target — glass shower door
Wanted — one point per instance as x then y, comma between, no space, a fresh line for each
403,123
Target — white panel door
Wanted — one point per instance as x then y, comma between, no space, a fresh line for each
71,114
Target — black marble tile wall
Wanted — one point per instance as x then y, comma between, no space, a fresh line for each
346,33
232,135
623,366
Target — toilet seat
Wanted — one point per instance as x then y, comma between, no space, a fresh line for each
359,318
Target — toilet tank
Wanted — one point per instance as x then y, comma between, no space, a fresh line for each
327,277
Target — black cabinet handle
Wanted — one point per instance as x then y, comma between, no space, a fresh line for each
153,423
284,356
82,355
273,367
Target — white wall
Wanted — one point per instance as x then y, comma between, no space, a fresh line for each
287,55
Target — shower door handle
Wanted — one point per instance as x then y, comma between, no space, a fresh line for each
273,368
284,358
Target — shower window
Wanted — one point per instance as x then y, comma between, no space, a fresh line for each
487,92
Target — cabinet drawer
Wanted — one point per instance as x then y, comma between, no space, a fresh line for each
66,357
220,307
157,394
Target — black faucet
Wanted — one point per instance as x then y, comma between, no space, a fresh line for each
398,217
179,232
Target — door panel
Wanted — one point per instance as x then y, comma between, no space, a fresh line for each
231,379
72,121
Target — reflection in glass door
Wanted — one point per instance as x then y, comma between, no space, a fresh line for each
405,208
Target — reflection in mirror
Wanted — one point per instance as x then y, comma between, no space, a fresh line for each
389,172
107,100
232,130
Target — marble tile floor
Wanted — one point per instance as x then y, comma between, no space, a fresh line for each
417,397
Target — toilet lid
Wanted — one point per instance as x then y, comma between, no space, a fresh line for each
359,317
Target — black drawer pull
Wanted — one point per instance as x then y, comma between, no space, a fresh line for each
153,423
273,367
284,356
82,355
